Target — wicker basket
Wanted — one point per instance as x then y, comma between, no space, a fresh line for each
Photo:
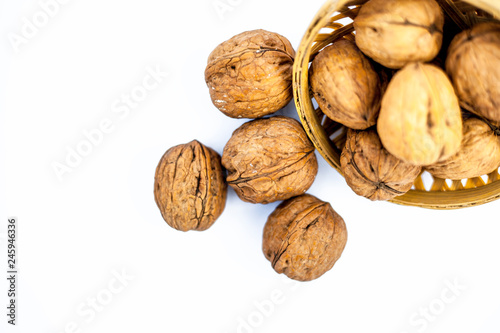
334,21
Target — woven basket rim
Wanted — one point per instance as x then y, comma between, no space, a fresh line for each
426,199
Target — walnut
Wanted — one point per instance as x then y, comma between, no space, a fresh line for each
420,121
346,86
473,64
250,75
304,237
397,32
479,154
269,160
371,171
189,187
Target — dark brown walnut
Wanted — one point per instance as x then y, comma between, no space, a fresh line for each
346,86
371,171
473,64
479,153
189,187
269,160
304,237
397,32
250,75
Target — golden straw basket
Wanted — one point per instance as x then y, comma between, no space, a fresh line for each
334,21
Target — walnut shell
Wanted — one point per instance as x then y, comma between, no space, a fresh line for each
397,32
345,85
479,154
420,121
473,64
189,187
269,160
371,171
304,237
250,75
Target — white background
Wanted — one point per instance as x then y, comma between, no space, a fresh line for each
75,235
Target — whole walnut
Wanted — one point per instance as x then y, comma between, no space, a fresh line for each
189,187
397,32
269,160
479,154
345,85
473,64
250,75
420,120
371,171
304,237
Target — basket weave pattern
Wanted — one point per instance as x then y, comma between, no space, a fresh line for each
334,21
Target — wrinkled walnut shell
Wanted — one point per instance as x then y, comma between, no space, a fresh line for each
473,64
397,32
189,187
250,75
345,85
420,120
304,237
371,171
479,154
269,160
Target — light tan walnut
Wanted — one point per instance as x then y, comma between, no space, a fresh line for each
473,63
479,153
397,32
420,121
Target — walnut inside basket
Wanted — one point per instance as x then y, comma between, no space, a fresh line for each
334,21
